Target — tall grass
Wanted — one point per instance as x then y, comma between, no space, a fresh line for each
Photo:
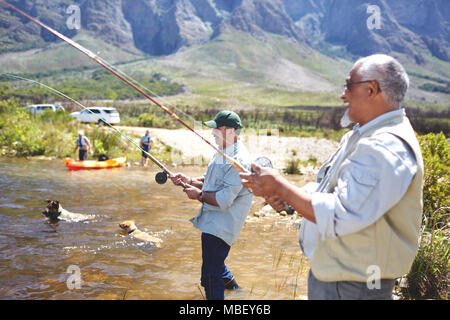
292,166
429,274
287,268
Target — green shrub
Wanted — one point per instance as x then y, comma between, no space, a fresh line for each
147,120
9,107
59,141
4,88
19,134
312,160
292,167
436,182
59,116
106,141
428,277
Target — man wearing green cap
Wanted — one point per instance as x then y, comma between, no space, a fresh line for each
225,204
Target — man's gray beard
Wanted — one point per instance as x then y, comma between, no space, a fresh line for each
345,120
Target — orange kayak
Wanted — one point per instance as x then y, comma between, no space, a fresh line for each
94,164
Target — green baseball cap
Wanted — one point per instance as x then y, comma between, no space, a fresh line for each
225,118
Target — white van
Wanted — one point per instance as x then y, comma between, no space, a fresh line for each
95,114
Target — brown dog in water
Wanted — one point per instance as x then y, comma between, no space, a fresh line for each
54,212
132,230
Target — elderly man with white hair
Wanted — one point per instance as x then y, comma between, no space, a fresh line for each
362,216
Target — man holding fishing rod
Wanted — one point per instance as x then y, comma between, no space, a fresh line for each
225,203
362,218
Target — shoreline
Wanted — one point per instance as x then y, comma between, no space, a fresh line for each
186,149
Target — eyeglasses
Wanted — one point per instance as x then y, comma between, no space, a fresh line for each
348,86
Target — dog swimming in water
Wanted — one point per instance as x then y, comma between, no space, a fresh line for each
55,212
130,227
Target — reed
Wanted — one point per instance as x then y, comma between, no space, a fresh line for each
429,274
201,292
292,166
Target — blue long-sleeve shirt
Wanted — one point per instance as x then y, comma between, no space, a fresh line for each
226,220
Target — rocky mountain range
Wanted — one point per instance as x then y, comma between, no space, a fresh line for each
161,27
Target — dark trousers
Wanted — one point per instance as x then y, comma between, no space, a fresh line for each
214,271
348,290
82,155
145,147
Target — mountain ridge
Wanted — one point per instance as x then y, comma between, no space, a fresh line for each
280,45
412,27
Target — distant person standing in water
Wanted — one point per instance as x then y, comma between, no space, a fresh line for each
84,145
145,145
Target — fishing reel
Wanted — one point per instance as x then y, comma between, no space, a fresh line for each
161,177
265,162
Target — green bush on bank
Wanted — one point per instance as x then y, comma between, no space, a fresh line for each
428,277
19,134
436,184
147,120
292,166
104,141
58,116
156,121
23,134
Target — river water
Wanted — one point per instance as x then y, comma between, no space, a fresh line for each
95,260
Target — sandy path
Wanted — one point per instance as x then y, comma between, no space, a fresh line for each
278,149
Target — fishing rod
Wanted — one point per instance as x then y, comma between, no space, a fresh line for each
122,76
160,178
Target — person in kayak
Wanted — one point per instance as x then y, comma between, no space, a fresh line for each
225,204
84,146
145,145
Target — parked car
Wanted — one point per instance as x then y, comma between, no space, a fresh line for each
40,108
96,114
